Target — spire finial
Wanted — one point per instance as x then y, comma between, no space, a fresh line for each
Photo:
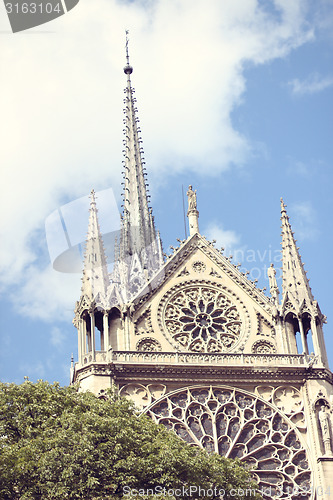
92,197
283,206
128,68
139,248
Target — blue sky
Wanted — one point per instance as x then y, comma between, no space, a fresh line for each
234,97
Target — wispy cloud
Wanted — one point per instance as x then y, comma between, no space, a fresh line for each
304,221
300,169
57,337
47,294
31,370
312,167
313,84
225,238
254,261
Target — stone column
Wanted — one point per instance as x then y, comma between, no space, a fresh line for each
282,336
193,216
106,331
290,336
93,343
314,332
80,340
321,343
303,337
87,335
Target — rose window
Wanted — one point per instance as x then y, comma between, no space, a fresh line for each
202,319
238,424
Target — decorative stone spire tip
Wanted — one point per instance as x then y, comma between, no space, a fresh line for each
128,69
139,245
283,206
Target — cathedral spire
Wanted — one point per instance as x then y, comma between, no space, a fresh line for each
139,239
301,312
138,229
95,273
294,280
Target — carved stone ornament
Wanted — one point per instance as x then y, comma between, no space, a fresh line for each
239,424
215,273
288,399
149,345
285,397
263,347
264,326
202,318
184,272
288,307
136,393
142,395
199,266
142,325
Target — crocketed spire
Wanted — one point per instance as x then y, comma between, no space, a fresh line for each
294,280
95,273
140,251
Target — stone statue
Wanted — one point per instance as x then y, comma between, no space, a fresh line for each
271,276
324,421
192,198
273,287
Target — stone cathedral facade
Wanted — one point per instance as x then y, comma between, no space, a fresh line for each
200,348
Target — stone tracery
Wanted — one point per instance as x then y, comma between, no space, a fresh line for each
148,344
263,346
238,424
203,319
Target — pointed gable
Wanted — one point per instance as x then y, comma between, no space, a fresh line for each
199,301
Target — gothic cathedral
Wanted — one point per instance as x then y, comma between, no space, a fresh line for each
200,348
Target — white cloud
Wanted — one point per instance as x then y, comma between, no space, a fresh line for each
225,238
46,294
312,84
299,168
57,337
304,221
61,117
31,370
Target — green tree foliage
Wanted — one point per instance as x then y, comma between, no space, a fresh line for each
56,443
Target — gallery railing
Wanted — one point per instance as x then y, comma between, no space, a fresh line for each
189,358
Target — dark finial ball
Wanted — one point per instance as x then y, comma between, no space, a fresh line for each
128,69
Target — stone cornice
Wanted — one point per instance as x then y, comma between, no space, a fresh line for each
208,374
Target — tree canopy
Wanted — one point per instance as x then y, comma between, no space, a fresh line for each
57,443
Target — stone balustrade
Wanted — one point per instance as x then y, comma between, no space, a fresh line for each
188,358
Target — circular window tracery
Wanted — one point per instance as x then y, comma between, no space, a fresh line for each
263,347
240,425
202,319
148,345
